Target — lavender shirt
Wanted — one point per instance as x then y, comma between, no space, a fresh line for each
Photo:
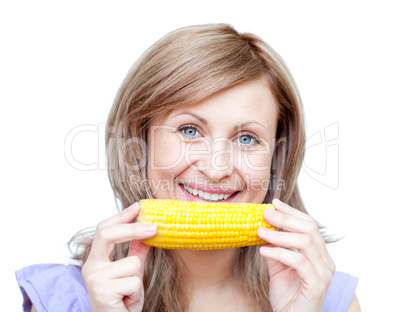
60,288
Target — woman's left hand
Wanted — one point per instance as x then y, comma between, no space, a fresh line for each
299,265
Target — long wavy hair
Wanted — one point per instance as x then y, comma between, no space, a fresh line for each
185,67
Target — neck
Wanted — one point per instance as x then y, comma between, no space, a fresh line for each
208,269
211,281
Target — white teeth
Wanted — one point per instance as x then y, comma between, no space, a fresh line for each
214,197
206,195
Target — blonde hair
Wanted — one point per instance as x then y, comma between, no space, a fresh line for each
183,68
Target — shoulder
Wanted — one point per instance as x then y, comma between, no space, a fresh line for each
341,294
48,287
354,305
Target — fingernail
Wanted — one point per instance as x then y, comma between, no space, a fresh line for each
265,250
277,201
133,206
270,213
262,230
150,228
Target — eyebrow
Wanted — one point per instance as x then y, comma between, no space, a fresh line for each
205,122
251,122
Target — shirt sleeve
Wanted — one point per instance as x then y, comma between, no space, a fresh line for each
53,287
340,292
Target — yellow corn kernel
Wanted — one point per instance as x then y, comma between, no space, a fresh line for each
203,225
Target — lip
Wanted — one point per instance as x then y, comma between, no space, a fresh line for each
191,197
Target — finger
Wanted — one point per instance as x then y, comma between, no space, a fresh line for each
125,267
139,250
110,293
274,266
292,222
133,303
126,286
303,243
125,216
287,209
312,278
106,237
133,299
295,260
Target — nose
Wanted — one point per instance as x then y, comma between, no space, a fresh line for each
219,162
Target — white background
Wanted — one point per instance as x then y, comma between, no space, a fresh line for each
62,62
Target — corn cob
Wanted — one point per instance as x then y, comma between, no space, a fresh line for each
203,225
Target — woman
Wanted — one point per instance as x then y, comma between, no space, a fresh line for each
209,114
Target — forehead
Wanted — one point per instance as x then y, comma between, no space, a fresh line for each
249,101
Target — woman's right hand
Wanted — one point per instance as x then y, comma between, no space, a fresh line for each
117,285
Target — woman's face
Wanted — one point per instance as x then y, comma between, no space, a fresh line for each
217,150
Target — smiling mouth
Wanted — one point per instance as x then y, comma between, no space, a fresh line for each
205,195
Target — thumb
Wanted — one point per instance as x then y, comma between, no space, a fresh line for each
136,302
139,249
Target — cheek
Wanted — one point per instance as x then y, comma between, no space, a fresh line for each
258,164
256,170
165,152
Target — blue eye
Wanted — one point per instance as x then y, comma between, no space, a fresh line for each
247,139
189,131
